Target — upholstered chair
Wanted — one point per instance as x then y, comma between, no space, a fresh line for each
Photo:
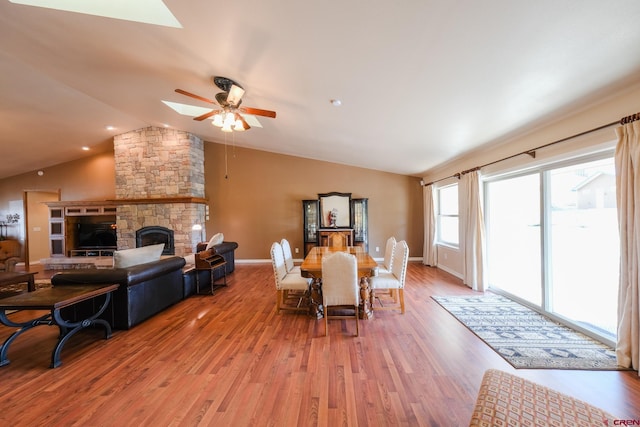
340,288
288,257
385,267
9,254
286,282
392,281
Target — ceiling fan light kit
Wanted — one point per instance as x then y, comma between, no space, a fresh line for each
229,117
228,122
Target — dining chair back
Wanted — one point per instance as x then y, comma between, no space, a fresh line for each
337,240
286,282
340,287
392,281
388,255
288,256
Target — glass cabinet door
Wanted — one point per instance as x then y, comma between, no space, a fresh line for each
310,215
359,222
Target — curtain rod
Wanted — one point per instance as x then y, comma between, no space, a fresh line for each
532,152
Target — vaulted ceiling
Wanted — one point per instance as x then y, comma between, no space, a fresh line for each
420,82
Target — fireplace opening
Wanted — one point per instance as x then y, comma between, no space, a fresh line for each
154,235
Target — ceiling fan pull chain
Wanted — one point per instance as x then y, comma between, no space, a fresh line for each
226,165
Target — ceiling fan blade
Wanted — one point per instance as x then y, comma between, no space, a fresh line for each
245,125
258,112
207,115
201,98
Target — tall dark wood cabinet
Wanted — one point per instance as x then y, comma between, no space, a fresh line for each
311,224
360,222
315,229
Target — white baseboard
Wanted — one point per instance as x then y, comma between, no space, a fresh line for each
448,270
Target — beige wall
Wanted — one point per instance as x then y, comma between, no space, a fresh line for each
260,201
92,178
38,224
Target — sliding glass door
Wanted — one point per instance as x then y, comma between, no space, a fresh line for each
553,241
583,244
513,216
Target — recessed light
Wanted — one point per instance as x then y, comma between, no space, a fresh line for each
109,127
85,148
335,102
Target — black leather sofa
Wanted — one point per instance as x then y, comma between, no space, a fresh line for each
227,251
145,289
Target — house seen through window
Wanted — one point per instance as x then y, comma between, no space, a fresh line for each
552,239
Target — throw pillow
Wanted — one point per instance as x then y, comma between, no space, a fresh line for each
215,240
128,257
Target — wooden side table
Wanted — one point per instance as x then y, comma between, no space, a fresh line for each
207,260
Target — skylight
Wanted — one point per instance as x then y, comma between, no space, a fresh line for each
146,11
194,111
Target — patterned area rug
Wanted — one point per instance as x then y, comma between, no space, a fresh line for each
525,338
9,290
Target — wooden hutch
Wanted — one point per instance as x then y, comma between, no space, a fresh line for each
335,215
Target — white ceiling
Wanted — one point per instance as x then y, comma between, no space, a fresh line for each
421,81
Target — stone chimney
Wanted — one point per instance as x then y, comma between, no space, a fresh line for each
159,182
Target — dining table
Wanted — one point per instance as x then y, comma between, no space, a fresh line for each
311,267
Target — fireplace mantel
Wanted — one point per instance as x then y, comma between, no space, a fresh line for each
160,200
117,202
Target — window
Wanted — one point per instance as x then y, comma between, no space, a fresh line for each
447,225
552,241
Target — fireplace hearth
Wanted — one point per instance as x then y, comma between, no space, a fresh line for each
155,235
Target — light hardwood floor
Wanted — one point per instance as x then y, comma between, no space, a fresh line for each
230,360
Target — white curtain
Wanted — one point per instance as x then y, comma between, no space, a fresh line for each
429,251
473,270
627,159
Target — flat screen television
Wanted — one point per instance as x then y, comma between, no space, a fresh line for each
96,236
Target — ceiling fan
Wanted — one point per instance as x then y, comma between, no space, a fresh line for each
229,115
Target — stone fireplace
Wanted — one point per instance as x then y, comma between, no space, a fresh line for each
159,183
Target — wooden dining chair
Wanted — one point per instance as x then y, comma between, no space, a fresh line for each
340,288
339,239
286,282
388,256
288,257
392,281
